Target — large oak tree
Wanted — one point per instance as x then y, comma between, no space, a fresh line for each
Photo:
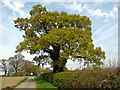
63,36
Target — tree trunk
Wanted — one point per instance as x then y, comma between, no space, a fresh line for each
55,68
55,55
58,67
64,61
5,74
16,70
55,63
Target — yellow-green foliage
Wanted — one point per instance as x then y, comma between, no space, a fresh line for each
67,34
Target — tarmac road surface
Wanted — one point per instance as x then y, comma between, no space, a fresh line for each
28,84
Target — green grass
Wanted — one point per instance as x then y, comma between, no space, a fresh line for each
43,85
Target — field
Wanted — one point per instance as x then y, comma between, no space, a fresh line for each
10,81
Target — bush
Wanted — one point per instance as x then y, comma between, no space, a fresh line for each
112,79
65,79
20,73
97,78
47,77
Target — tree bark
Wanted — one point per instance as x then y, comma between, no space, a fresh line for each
55,68
5,72
59,68
55,55
64,61
16,70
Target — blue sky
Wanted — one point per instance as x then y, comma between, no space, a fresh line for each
104,17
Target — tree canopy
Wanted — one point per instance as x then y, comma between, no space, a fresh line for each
4,66
16,62
63,36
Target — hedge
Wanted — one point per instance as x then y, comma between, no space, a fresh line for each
47,77
96,78
105,78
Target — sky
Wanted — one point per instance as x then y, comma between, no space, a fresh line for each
104,17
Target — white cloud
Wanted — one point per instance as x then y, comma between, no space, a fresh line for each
15,6
18,4
95,12
113,13
76,7
101,13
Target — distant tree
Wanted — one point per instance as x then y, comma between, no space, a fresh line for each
16,62
4,65
63,36
35,70
27,68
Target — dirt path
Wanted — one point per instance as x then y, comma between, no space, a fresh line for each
29,83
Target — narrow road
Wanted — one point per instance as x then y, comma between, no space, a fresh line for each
29,83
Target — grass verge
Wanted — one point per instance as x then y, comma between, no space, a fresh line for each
43,85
